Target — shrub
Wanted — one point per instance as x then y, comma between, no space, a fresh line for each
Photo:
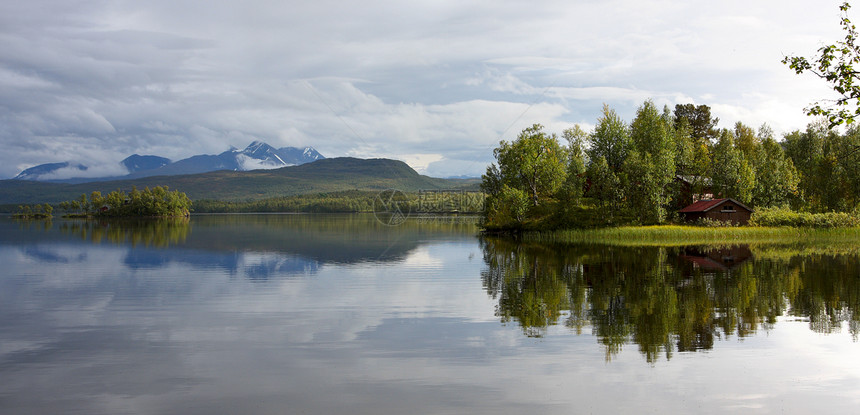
782,216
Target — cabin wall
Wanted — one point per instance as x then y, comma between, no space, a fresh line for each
739,217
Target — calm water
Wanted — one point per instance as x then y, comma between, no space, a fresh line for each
299,314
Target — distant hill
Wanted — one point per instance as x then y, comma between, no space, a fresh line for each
325,175
135,163
258,155
48,170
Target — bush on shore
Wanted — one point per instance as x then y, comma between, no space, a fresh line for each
782,216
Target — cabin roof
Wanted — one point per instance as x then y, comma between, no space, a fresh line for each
706,205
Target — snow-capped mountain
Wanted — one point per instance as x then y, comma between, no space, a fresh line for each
258,155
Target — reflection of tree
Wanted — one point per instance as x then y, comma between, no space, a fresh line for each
530,290
159,233
829,296
663,299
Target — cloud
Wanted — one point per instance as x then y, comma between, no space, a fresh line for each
381,78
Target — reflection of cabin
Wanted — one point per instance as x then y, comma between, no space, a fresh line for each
723,259
724,210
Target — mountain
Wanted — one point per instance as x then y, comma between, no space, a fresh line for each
136,162
258,155
325,175
46,170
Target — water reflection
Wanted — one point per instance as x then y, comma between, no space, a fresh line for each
252,314
156,232
258,247
667,300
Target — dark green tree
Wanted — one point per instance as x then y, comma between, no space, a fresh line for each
650,165
731,174
698,118
533,163
533,168
574,185
610,140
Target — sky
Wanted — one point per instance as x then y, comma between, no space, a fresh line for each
436,84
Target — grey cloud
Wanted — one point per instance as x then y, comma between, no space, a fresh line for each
176,78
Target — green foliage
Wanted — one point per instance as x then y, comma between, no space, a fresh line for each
156,202
731,173
351,201
533,163
835,64
533,168
782,216
507,209
651,164
699,121
828,167
776,178
605,185
675,235
610,140
34,212
644,172
574,185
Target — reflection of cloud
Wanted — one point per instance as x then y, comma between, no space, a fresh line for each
42,254
263,266
200,337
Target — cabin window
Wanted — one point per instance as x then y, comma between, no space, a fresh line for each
728,208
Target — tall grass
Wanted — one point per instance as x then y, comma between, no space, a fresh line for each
675,235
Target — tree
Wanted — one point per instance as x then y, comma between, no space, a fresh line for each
530,171
533,163
811,154
698,118
731,174
685,147
651,163
605,185
835,64
574,185
610,140
776,177
747,141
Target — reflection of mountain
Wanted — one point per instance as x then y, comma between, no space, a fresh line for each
256,246
667,299
323,238
252,265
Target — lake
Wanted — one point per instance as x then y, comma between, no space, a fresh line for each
341,314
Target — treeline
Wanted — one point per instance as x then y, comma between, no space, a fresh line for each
34,212
351,201
159,201
642,172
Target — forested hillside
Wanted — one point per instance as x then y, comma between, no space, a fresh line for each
327,175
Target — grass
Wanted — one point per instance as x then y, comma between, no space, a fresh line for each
677,235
